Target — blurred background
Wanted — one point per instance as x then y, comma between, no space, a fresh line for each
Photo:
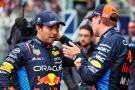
71,11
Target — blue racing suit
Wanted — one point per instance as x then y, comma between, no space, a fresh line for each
104,66
43,65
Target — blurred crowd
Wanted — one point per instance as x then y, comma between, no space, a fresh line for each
11,9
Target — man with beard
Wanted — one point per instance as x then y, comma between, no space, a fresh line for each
71,77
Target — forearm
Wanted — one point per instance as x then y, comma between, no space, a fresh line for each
65,40
88,72
87,75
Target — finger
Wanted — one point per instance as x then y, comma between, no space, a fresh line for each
74,47
66,51
68,56
72,44
67,47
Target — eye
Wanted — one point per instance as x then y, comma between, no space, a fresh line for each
49,27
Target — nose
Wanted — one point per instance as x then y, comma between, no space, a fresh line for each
82,38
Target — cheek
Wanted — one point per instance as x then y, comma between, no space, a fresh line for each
89,39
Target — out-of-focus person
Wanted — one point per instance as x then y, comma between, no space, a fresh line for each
131,40
131,31
71,77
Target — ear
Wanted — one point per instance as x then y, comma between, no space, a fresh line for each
38,28
99,19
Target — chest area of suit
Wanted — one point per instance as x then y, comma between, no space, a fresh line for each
44,59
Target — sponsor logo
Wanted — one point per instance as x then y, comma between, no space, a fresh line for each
100,53
36,89
125,42
3,72
16,50
92,69
38,20
37,58
98,57
130,56
7,67
125,68
124,81
51,22
47,68
96,63
57,58
12,55
36,51
58,62
105,45
10,59
55,53
103,49
78,62
51,79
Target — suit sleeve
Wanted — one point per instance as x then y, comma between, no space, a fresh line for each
93,69
66,61
65,40
10,65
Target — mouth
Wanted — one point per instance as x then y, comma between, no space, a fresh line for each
52,38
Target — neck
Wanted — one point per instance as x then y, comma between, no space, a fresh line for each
103,29
87,47
39,37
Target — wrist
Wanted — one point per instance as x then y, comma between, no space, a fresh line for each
76,56
77,63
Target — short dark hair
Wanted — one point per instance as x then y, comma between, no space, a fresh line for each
132,21
87,27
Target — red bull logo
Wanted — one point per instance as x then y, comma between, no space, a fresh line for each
50,79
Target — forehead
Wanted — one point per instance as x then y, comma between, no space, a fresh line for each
131,24
84,31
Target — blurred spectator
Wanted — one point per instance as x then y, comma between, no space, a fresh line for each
90,4
126,67
5,25
39,4
32,8
131,29
82,7
55,6
70,74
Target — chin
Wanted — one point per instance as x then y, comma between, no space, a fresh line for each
83,45
51,41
